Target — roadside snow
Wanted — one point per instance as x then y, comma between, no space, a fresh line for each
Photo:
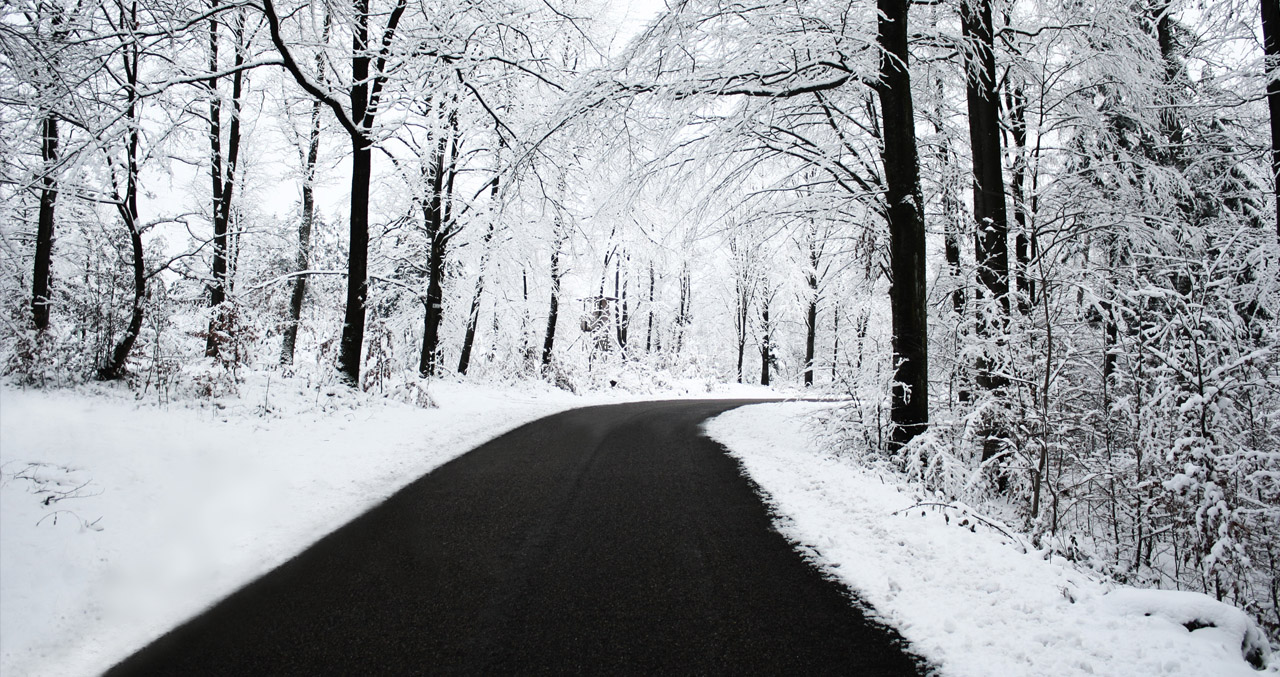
119,519
965,595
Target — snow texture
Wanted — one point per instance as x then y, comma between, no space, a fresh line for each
120,519
973,600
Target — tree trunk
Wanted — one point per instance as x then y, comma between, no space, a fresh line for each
364,95
835,343
686,298
991,240
1024,240
222,171
127,207
648,337
620,292
811,333
357,264
437,233
951,209
766,353
952,206
352,348
907,298
303,260
469,337
40,282
1271,47
740,319
553,314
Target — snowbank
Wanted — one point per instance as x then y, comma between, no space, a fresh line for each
967,596
119,519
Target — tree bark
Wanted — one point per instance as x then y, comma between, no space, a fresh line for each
909,410
352,346
811,327
766,350
41,280
620,292
42,277
222,170
553,314
307,221
991,240
835,343
951,210
1271,46
469,336
438,235
1025,239
648,337
127,207
686,300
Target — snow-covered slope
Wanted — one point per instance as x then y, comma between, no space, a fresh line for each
968,597
119,519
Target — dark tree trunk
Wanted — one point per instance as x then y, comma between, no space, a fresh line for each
303,260
951,209
351,351
1271,46
991,239
553,314
766,350
473,317
127,207
469,336
620,292
835,343
42,278
811,327
904,212
648,337
435,217
222,171
1024,240
357,264
991,220
740,319
40,283
364,96
686,299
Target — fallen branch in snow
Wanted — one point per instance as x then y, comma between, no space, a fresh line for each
84,524
969,513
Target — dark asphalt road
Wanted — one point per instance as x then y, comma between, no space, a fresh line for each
606,540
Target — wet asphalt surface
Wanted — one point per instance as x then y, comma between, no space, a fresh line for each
600,541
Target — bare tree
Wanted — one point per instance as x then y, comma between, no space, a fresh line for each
310,155
224,155
371,68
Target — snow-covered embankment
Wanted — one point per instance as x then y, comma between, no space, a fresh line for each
968,598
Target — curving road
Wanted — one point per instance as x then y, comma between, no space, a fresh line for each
605,540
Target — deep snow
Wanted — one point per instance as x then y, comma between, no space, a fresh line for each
972,600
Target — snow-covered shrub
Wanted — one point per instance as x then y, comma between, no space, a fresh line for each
1202,615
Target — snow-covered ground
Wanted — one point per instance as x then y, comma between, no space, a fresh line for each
972,600
119,518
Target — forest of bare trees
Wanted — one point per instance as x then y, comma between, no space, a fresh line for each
1036,245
